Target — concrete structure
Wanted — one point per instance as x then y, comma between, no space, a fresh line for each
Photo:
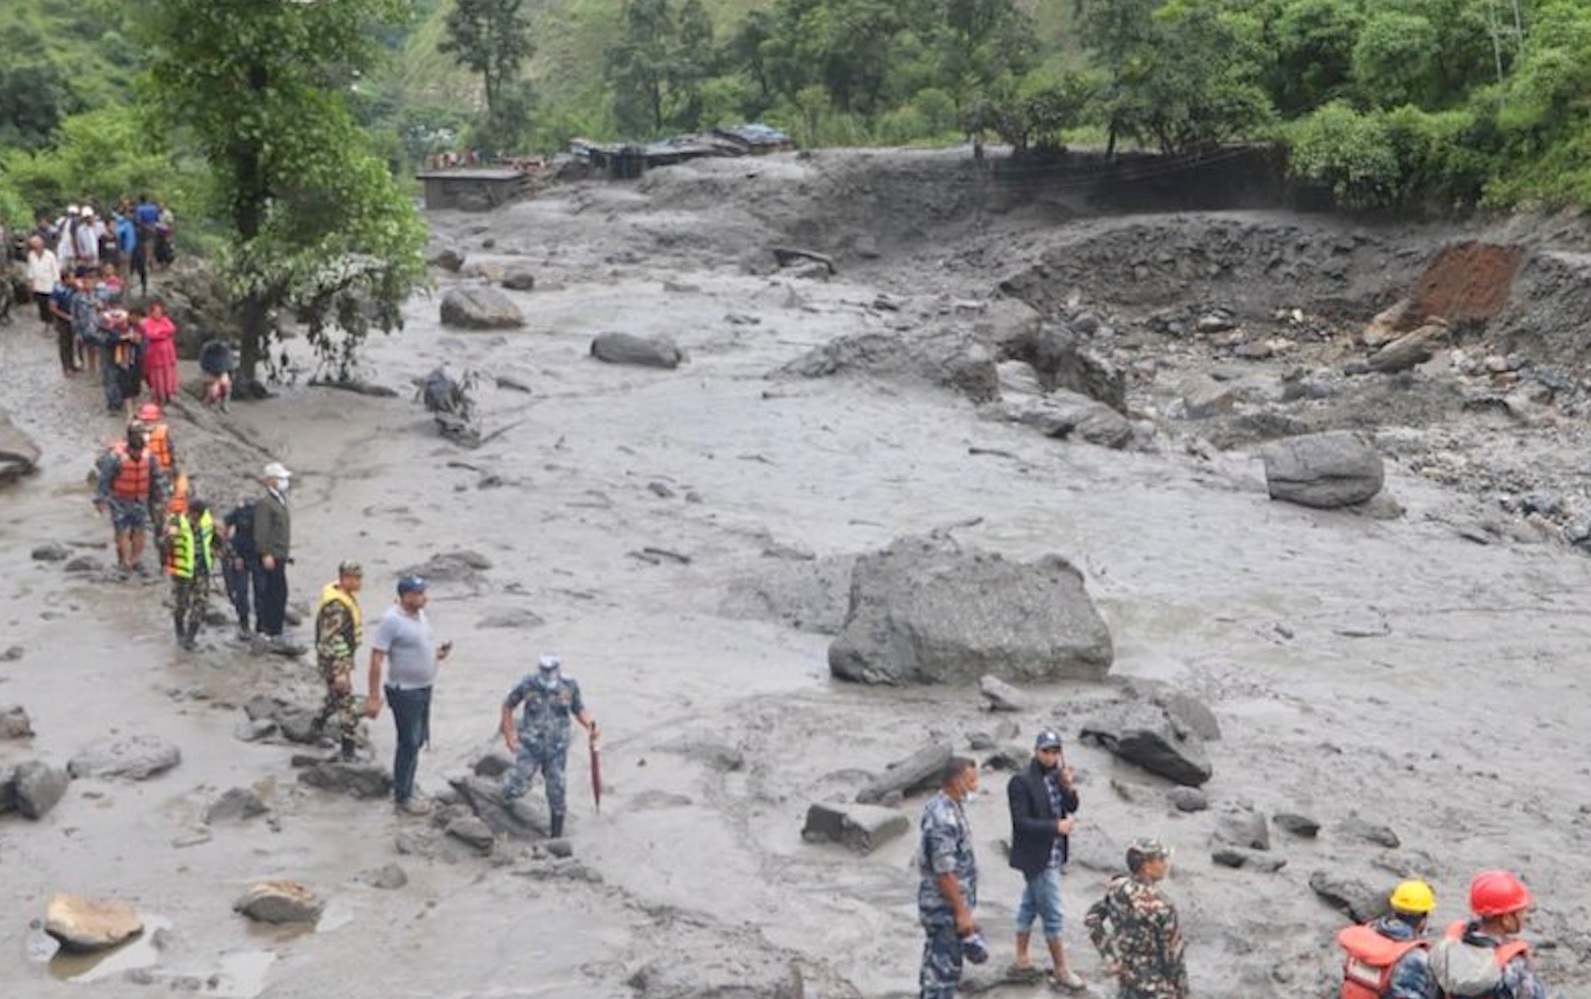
471,189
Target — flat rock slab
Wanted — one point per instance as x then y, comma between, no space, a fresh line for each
361,780
919,771
860,827
280,901
1002,696
1069,415
90,924
1324,471
641,351
480,308
925,611
1142,735
1348,895
136,757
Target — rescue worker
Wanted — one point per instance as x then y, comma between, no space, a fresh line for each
1387,958
947,889
339,628
129,482
541,741
1484,958
190,557
157,436
1134,928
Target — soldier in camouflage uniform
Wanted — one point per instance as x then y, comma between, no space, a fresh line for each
948,890
1134,927
541,741
338,632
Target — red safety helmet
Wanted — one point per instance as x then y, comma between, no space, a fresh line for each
1497,893
148,412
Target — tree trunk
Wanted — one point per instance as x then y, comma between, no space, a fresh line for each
255,314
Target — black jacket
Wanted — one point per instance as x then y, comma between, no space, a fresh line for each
1033,820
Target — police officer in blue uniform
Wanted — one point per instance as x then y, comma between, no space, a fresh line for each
948,888
541,740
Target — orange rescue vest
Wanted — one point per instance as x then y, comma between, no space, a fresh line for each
132,476
159,444
1367,968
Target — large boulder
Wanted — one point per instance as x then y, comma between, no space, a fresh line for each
925,611
135,757
19,455
1324,471
89,924
642,351
37,787
1145,736
480,308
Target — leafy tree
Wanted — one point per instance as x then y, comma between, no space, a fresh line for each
664,55
492,38
316,222
1313,42
1346,151
34,96
98,157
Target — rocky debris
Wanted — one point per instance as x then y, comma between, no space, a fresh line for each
37,787
1242,826
14,722
480,308
1062,359
789,256
917,772
1002,696
84,925
11,653
360,780
136,757
518,279
1371,832
495,762
1350,896
388,877
925,611
1203,397
859,827
237,804
1325,471
1409,350
19,455
254,729
1065,415
1233,856
1301,826
484,270
280,901
518,819
1185,711
1143,735
639,351
943,359
1390,323
1188,799
473,831
449,258
463,566
52,552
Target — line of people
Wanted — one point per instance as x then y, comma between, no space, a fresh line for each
1135,926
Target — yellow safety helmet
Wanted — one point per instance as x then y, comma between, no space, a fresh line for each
1413,896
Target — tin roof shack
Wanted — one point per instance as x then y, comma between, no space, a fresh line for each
472,189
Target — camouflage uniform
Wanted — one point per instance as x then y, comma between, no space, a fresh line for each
549,703
1135,928
336,638
945,848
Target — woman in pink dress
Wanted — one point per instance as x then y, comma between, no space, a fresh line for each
160,353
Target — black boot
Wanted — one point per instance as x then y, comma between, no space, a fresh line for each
557,826
350,749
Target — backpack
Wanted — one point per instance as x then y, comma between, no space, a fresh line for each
1462,969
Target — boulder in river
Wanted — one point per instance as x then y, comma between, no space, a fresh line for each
38,787
134,757
19,455
1143,735
279,901
1324,471
925,611
89,924
1348,895
859,827
480,308
640,351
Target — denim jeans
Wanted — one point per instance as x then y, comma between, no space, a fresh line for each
411,713
1041,898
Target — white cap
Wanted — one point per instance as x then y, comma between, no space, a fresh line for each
88,211
72,209
277,470
549,661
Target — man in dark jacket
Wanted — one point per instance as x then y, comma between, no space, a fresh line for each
1042,799
273,539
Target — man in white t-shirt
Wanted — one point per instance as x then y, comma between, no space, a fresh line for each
403,643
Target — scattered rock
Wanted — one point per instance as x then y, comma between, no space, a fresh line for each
90,924
1189,799
1350,896
85,564
37,787
520,617
519,819
280,901
473,830
1065,415
493,763
1243,826
361,780
1188,712
1299,825
254,729
925,611
917,772
1203,397
237,804
1062,360
1324,471
12,654
1371,832
945,359
627,348
1003,696
449,258
860,827
1390,323
15,723
388,877
1408,351
1144,736
19,455
137,757
1232,856
480,308
52,552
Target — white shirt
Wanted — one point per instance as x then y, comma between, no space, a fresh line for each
44,271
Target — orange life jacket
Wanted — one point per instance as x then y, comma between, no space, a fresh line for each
1500,955
132,477
1367,968
158,441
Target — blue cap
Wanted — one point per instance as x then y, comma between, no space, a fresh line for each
1048,739
411,584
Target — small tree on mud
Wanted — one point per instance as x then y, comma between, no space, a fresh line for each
318,225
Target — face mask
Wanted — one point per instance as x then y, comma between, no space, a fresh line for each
281,486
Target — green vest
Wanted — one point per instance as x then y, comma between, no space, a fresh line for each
182,551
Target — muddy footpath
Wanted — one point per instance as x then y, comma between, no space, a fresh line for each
1000,366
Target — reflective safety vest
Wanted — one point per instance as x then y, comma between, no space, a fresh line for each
158,441
1469,971
355,632
187,548
133,478
1367,968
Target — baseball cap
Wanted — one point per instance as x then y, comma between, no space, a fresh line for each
549,661
348,567
1145,848
277,470
411,584
1047,739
